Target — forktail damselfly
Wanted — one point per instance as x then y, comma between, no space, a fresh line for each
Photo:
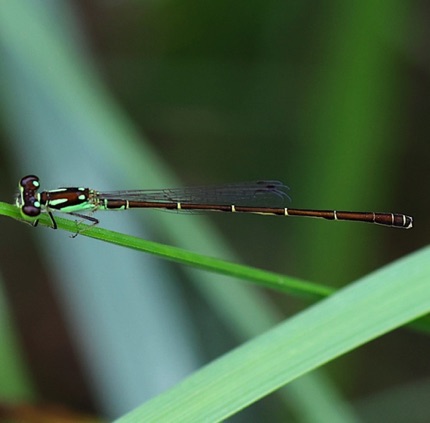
234,198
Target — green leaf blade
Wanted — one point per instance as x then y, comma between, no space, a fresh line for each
374,305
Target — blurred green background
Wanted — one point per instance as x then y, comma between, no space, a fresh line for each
327,97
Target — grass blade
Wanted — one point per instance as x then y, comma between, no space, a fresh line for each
179,255
371,307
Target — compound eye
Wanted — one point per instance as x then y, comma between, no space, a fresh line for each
31,210
30,182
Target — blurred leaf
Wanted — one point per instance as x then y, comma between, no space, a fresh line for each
365,310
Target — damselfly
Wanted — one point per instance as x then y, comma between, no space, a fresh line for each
234,198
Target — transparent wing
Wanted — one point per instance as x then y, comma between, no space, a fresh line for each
242,193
